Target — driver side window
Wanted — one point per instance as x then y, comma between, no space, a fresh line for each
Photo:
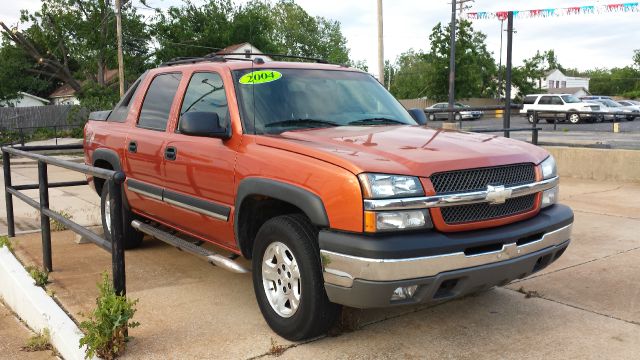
205,93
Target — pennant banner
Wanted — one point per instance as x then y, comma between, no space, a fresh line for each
542,13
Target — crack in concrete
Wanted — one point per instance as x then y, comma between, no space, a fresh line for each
575,265
581,308
597,213
594,192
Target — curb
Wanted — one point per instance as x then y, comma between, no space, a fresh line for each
36,308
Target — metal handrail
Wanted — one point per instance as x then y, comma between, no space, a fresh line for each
114,180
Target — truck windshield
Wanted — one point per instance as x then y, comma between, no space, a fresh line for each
277,100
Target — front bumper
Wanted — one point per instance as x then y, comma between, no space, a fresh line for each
444,266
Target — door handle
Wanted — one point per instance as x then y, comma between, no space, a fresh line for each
170,153
133,146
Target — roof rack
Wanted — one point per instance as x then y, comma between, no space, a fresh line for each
215,57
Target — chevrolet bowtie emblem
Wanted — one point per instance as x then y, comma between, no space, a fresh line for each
497,194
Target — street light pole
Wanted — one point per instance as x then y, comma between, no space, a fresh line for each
119,39
380,45
452,62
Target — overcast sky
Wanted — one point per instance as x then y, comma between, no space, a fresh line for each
582,41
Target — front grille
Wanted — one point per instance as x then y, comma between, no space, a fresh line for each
485,211
478,179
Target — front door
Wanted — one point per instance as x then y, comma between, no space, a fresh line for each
199,170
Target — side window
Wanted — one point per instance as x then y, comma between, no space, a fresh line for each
528,100
119,113
556,100
205,93
157,103
545,100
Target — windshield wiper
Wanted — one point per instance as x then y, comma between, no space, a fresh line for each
376,121
303,123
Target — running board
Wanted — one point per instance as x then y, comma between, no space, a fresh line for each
208,255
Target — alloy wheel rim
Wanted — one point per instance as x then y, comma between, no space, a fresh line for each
281,279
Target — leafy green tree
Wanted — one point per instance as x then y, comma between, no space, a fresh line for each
527,78
15,75
476,69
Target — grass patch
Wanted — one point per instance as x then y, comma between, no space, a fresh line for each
58,226
105,331
4,241
40,276
38,342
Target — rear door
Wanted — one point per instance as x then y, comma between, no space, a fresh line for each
145,145
558,104
199,183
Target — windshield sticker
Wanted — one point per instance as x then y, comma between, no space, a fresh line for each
260,77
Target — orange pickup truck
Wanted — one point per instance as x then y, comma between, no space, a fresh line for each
333,190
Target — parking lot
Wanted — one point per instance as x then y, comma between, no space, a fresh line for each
586,305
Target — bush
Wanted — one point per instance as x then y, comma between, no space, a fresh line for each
106,328
4,241
58,226
39,342
41,277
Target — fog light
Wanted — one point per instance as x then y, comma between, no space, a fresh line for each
404,292
549,197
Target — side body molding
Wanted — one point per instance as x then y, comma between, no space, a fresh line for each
308,202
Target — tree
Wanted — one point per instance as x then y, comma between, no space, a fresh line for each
16,61
528,77
475,67
636,57
73,41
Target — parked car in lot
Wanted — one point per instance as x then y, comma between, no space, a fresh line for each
631,112
595,97
319,177
608,114
632,105
570,108
434,114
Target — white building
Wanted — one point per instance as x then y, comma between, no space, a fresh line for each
25,100
243,48
555,79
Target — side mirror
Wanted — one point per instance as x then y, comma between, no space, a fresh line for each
418,115
202,123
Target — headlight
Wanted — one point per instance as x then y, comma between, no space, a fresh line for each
376,221
381,186
549,169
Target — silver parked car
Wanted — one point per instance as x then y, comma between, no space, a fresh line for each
462,114
614,106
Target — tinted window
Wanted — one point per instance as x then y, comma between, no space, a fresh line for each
157,103
556,100
545,100
528,100
205,93
120,112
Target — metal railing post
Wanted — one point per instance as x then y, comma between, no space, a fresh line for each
6,165
21,137
117,233
43,183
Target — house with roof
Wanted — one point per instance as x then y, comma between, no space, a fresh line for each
66,95
575,91
24,99
242,48
555,79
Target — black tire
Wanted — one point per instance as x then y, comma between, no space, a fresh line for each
574,118
315,313
457,117
132,237
432,117
530,118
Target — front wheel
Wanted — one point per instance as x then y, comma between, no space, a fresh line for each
457,117
531,118
574,118
432,117
287,279
132,237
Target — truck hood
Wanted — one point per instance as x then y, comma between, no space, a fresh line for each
404,150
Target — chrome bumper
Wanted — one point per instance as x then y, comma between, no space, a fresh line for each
342,270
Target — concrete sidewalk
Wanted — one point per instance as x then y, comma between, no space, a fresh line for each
584,306
14,335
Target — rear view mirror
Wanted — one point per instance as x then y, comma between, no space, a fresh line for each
202,123
418,115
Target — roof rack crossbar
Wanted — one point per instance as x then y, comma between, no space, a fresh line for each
221,57
321,61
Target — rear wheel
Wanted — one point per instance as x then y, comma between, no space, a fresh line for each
132,237
574,118
287,279
457,117
531,118
432,117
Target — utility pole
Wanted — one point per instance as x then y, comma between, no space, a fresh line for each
452,62
462,7
506,120
380,45
119,38
500,65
